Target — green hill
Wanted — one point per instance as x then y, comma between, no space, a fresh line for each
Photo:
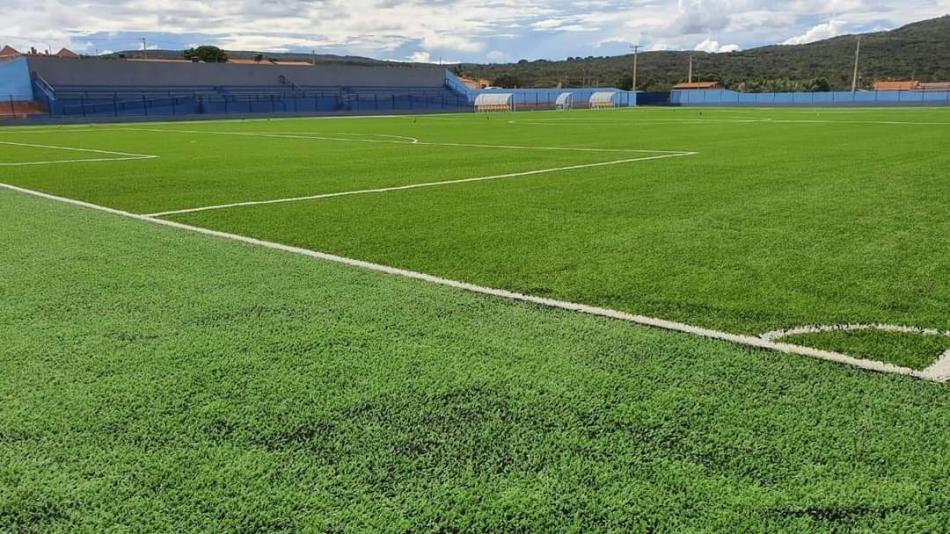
917,51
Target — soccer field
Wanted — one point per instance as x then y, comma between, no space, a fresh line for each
263,325
826,229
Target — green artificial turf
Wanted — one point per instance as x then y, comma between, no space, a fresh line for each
909,350
152,379
784,217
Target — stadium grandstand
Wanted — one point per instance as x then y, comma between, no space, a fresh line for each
65,86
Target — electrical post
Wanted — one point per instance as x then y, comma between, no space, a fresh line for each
636,51
690,69
144,48
857,59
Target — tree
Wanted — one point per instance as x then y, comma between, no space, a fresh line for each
625,82
206,53
507,81
258,58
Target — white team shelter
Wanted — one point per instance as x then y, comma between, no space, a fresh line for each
602,99
493,102
564,101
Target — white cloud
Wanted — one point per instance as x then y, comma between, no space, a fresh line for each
826,30
472,30
420,56
714,47
496,56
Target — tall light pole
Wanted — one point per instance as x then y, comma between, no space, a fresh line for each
857,59
636,51
690,69
144,48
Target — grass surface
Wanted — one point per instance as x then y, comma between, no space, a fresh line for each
909,350
784,218
152,379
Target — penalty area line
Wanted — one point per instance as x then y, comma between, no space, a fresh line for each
121,156
738,339
418,186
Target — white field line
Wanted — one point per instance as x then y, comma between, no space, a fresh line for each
319,137
418,186
820,329
939,371
122,156
744,340
99,126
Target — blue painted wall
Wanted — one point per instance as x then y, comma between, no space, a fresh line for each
723,97
15,80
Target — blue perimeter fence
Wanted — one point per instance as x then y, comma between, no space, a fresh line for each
724,97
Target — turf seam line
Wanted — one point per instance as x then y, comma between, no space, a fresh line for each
416,186
738,339
123,156
324,137
568,122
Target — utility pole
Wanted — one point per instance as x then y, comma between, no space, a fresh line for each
636,51
314,56
690,69
144,48
857,59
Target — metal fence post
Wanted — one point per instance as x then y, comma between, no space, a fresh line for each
12,108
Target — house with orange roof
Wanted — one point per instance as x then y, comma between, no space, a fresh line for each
909,85
696,86
9,52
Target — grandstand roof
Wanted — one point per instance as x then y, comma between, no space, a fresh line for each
696,85
935,86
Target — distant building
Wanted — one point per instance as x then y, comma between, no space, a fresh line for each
9,52
67,54
935,86
696,86
910,85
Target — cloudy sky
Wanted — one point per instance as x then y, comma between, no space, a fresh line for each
453,30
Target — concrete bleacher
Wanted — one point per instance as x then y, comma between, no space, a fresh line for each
117,88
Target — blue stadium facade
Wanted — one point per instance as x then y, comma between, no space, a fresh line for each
115,89
102,88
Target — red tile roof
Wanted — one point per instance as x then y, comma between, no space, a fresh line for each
9,51
909,85
696,85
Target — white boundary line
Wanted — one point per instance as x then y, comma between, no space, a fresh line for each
745,340
418,186
123,156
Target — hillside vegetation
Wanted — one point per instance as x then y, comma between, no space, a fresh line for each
918,51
